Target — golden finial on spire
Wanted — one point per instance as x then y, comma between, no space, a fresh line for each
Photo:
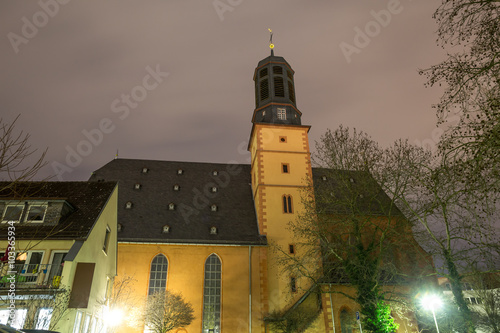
271,45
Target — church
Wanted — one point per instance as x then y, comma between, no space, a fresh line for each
207,230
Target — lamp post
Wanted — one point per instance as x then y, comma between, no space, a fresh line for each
432,302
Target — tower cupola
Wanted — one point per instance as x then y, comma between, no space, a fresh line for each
275,92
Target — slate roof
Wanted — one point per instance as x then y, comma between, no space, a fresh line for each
192,218
87,199
341,188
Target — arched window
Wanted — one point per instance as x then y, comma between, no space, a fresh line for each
287,204
211,295
158,275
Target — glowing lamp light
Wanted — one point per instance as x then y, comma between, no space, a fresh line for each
271,45
432,302
114,317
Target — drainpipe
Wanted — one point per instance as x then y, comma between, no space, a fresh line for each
331,307
250,289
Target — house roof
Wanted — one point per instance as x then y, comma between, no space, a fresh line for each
351,192
87,200
148,187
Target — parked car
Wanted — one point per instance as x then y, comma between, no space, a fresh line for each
8,329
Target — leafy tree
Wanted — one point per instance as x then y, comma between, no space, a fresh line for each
166,311
354,228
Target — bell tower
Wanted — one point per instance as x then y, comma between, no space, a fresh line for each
281,169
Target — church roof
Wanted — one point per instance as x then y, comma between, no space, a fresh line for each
80,204
182,202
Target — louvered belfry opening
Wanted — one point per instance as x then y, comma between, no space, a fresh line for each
274,89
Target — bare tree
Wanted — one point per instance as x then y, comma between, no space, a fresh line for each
167,310
16,163
356,230
470,32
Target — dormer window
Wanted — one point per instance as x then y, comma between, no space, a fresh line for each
36,213
213,208
213,231
176,187
119,227
137,186
166,229
171,206
351,180
215,173
214,189
145,170
180,171
324,178
12,213
128,205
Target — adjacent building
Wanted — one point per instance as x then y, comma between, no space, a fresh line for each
60,252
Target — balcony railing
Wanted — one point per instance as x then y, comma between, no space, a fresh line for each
31,276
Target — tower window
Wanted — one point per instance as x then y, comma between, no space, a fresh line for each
263,72
279,87
264,89
293,284
277,70
287,204
291,92
291,249
285,167
282,113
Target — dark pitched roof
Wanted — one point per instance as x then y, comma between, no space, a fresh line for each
87,199
341,191
192,217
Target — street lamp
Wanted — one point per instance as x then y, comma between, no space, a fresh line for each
432,302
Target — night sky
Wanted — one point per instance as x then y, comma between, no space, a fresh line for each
173,80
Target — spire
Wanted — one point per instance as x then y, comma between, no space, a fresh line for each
271,45
275,91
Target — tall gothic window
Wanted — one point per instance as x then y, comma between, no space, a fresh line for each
158,274
211,295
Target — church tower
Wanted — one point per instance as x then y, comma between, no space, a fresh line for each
280,167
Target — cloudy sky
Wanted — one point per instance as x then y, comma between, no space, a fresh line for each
173,80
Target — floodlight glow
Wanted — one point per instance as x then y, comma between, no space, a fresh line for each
114,317
431,302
